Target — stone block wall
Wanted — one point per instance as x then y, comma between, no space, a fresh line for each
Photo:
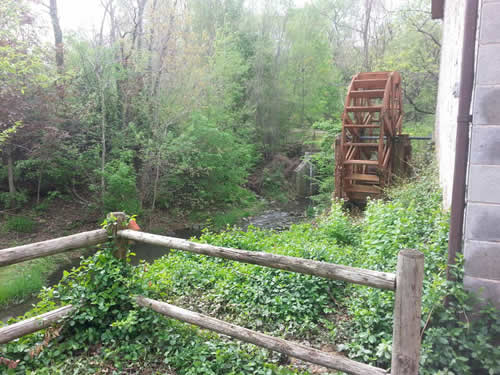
482,216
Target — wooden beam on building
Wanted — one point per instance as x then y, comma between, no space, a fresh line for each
437,9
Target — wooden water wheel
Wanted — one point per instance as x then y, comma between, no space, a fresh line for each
371,121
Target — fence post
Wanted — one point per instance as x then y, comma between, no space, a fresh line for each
407,313
120,243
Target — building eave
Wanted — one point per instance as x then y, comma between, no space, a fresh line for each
437,9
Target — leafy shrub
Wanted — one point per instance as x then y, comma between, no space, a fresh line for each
210,166
324,161
14,200
274,184
42,207
256,297
296,305
20,224
414,219
121,191
460,338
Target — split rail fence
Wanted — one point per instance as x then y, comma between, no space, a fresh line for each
406,283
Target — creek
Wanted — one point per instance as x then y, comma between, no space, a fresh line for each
272,218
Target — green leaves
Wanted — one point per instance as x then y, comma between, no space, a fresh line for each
121,192
209,166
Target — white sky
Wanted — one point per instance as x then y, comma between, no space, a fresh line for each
80,14
85,15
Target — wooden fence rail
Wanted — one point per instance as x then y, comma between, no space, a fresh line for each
25,327
330,360
354,275
407,283
59,245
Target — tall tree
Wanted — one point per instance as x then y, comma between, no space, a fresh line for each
58,36
22,73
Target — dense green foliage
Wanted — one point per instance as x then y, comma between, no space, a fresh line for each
356,319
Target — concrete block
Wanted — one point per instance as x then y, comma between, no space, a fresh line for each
490,23
487,290
488,64
484,184
486,109
482,259
482,222
485,145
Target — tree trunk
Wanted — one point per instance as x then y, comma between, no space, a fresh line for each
58,36
150,49
113,31
38,186
103,143
58,41
158,161
366,35
155,185
164,49
140,23
10,171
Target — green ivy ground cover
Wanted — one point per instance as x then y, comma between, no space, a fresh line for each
109,331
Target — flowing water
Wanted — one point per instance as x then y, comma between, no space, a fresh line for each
273,218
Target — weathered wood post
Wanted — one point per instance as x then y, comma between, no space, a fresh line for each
120,243
338,193
401,156
407,313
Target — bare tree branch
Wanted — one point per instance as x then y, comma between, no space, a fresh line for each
421,30
415,107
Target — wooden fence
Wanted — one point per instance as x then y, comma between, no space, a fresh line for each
406,283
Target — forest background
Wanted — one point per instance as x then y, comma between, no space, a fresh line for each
173,104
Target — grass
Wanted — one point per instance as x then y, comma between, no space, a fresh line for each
20,224
19,281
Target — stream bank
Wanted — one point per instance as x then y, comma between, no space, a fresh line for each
276,217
